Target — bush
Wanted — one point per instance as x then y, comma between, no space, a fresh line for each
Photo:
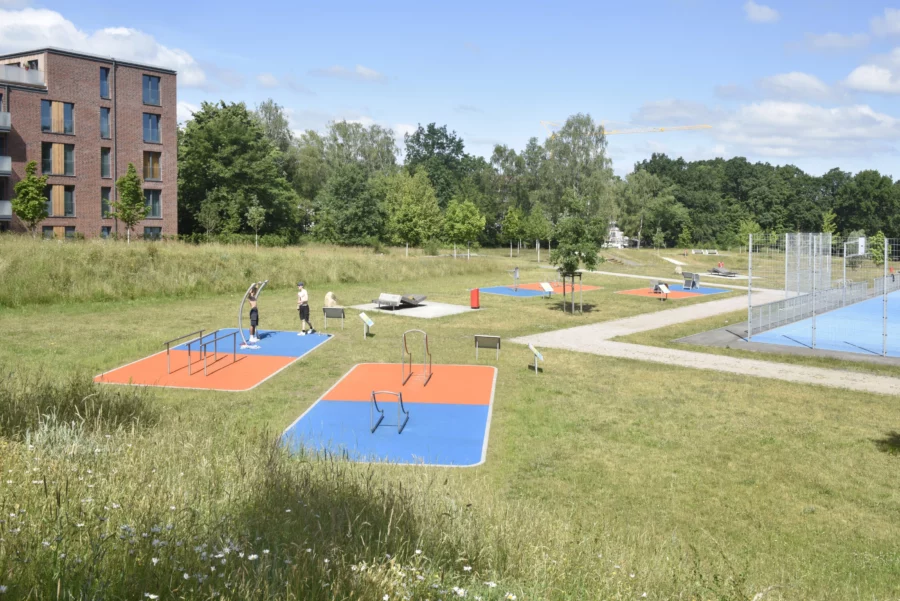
28,400
432,248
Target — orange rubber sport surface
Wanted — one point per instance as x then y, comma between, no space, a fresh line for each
674,295
449,384
224,374
558,289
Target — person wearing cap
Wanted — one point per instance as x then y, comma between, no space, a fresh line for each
303,308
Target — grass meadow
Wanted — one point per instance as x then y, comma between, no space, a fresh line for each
605,478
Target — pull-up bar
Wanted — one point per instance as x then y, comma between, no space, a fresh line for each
259,288
426,358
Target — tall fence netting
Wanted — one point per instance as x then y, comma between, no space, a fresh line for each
822,291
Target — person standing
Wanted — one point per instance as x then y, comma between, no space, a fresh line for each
303,308
254,313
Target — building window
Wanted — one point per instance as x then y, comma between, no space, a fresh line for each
152,199
70,231
151,90
152,233
104,82
104,122
69,201
151,128
46,120
33,64
57,159
57,117
105,170
105,231
151,166
104,202
69,160
47,231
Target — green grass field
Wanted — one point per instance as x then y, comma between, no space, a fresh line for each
604,478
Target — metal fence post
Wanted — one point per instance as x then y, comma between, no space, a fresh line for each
749,290
844,292
884,303
813,291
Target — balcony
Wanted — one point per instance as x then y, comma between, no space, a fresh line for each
30,77
5,210
5,166
5,121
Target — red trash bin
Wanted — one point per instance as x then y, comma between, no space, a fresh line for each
474,298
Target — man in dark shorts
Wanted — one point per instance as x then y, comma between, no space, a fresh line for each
254,314
303,308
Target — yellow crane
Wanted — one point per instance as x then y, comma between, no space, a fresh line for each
553,125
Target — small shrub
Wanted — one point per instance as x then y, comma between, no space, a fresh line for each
432,248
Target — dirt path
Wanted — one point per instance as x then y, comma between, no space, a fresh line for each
596,339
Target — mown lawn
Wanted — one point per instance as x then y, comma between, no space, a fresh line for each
605,478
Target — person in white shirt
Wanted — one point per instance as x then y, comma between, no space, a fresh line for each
303,308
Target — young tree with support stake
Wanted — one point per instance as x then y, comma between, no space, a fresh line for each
30,203
574,246
538,227
462,223
512,226
256,217
130,208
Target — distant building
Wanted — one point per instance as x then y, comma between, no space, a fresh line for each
616,237
83,118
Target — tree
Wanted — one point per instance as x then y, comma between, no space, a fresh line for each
225,147
346,211
414,216
130,207
374,148
441,154
828,222
747,228
659,239
275,123
538,227
684,238
574,246
462,222
209,215
256,217
512,226
30,202
876,248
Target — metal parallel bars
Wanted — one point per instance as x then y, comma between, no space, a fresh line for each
215,343
168,343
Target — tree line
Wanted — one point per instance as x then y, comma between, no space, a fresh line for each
243,171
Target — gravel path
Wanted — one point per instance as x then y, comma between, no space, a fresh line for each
596,339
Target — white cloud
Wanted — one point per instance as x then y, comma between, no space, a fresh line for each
887,24
732,91
760,13
778,129
795,85
37,28
881,75
14,3
186,111
828,42
267,80
358,73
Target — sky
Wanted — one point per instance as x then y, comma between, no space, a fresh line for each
814,84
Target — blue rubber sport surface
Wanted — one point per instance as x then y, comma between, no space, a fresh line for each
435,434
272,343
857,328
510,291
704,290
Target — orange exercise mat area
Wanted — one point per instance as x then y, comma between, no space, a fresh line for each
646,292
455,384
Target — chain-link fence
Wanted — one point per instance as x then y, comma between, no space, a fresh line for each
835,293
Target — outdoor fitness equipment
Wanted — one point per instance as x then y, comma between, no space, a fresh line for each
515,276
259,288
426,358
402,413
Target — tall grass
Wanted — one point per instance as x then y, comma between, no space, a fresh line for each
51,271
27,400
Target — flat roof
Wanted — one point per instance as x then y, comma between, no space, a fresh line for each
84,55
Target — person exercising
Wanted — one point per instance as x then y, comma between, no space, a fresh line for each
254,313
303,308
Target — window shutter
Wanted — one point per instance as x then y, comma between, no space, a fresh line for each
57,124
58,198
59,159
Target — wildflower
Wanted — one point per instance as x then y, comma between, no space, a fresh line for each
467,568
265,551
3,589
309,550
287,510
115,505
62,555
631,575
253,557
418,551
150,595
171,508
510,596
643,595
46,544
490,584
155,560
187,576
386,597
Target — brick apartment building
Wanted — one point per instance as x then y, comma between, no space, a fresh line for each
83,118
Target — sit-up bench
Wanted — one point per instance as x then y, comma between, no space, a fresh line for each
691,281
396,301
